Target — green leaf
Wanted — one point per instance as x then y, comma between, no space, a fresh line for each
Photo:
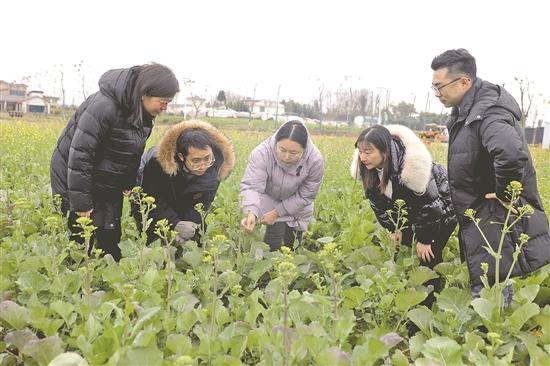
344,324
454,299
145,338
484,308
64,309
399,359
14,315
416,343
520,316
409,298
144,317
43,350
443,350
369,352
68,359
184,302
226,360
355,296
32,281
179,344
527,294
20,337
422,317
420,275
332,356
150,356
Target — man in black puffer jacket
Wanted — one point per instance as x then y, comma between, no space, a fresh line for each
487,151
98,153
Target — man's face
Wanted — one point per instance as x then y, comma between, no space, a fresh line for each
450,88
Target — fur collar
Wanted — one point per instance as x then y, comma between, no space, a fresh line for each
417,163
166,153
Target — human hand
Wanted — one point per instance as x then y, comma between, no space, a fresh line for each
270,217
185,230
85,213
507,206
424,252
248,223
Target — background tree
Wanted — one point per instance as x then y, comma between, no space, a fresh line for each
221,97
525,98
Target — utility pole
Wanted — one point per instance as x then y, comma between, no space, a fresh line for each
277,105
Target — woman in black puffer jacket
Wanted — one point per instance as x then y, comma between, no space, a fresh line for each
98,153
393,163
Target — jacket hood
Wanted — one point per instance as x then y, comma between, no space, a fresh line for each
118,85
486,96
166,153
292,168
416,169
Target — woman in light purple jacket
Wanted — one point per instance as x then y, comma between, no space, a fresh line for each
280,184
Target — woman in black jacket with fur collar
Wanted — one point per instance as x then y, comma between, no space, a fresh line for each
393,163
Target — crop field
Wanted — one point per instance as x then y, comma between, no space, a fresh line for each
347,295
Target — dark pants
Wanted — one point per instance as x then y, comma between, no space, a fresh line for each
106,217
443,235
280,234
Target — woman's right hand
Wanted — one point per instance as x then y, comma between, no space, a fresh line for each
85,213
248,223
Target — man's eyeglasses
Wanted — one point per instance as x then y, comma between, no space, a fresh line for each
195,164
437,89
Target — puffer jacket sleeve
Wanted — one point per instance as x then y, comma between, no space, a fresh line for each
90,132
306,192
505,146
156,183
429,213
253,183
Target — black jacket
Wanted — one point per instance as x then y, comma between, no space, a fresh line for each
177,191
98,153
487,150
418,181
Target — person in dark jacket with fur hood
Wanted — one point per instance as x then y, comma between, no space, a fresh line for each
487,151
393,163
185,169
97,155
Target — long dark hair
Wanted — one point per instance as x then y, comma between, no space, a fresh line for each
379,137
153,80
294,131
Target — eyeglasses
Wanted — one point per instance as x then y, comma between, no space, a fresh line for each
196,164
437,89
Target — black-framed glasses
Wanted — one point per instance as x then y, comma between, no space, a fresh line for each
437,89
196,164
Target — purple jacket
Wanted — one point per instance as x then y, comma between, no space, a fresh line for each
290,189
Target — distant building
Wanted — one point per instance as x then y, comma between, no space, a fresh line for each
16,100
265,107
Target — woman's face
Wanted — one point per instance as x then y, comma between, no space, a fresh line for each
288,151
155,105
370,156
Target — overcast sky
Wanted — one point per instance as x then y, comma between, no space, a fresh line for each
237,45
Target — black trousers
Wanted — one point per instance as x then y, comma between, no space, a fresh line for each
106,217
443,235
280,233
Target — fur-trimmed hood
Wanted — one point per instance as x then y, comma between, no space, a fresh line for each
166,153
416,169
